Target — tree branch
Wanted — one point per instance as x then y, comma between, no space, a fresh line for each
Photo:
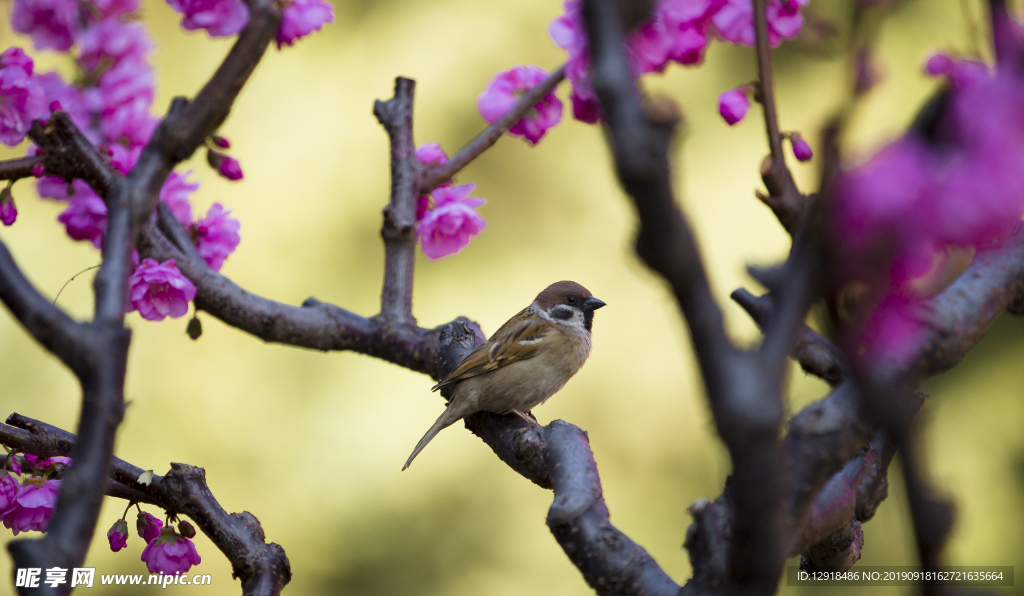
767,77
438,175
399,229
262,568
17,169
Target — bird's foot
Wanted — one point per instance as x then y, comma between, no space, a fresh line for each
527,417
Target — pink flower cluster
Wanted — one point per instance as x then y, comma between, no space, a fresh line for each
447,218
167,551
678,31
504,91
919,196
224,18
26,504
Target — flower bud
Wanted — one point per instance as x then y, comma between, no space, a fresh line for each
117,535
186,529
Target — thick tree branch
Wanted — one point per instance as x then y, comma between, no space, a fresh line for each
262,568
747,407
439,175
558,457
399,229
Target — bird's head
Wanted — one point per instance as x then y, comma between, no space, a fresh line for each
568,303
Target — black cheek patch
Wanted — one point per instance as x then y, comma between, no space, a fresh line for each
563,314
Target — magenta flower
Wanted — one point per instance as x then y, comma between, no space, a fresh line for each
801,149
51,23
147,525
122,158
447,228
33,506
130,122
9,487
170,553
733,105
15,56
86,215
115,40
8,211
648,47
227,166
70,99
186,529
159,290
302,17
129,82
175,193
21,102
939,64
117,535
220,18
503,92
216,236
431,154
735,20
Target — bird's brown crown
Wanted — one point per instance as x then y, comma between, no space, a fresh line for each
561,291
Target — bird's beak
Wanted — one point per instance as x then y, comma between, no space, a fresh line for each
592,304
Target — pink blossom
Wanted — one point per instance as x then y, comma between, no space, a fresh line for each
227,166
33,506
648,47
735,20
801,149
122,158
175,193
431,154
939,64
159,290
585,109
733,105
302,17
129,81
220,18
21,102
129,123
217,236
146,524
447,228
8,211
51,23
70,99
9,487
85,217
170,553
15,56
115,40
503,92
117,535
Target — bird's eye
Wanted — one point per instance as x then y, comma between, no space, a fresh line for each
571,300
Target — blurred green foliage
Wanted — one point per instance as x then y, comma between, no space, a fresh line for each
312,443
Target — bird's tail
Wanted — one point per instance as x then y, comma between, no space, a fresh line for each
448,417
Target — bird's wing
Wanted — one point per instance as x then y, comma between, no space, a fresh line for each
518,339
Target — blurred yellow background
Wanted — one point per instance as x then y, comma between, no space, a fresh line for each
312,443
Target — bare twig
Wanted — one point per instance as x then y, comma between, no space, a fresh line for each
438,175
399,229
766,78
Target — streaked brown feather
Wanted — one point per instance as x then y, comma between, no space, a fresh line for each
502,349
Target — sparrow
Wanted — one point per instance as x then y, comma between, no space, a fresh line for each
526,361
